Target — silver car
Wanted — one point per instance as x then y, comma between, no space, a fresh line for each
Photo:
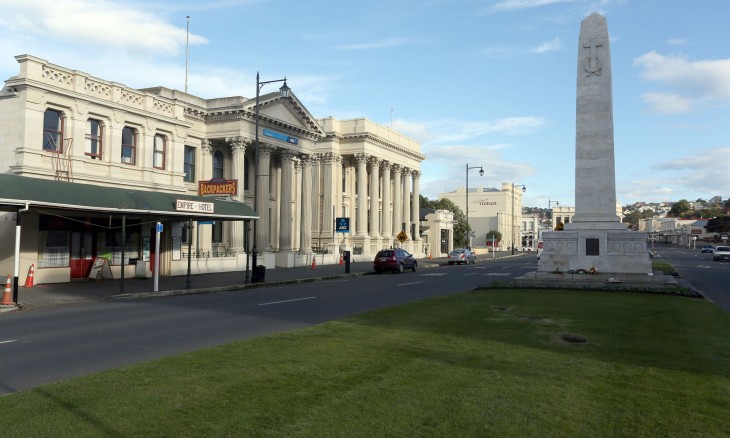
462,255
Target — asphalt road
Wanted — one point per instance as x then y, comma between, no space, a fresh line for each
710,278
55,344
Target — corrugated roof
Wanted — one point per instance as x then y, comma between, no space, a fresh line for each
20,190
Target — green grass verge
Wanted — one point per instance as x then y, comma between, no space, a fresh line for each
664,266
483,363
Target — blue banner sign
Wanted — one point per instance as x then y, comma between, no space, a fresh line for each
280,136
342,225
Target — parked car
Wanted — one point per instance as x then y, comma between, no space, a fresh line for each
462,255
707,248
394,260
721,253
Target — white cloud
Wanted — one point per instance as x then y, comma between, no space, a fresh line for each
677,42
388,42
667,103
455,131
550,46
690,82
508,5
99,24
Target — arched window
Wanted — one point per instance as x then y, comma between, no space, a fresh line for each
53,131
158,154
218,164
129,145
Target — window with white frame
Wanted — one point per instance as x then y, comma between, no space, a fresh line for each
189,163
94,138
129,145
218,164
53,131
158,153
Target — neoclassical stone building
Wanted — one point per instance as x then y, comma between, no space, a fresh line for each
65,126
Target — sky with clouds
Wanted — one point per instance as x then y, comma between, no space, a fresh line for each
477,82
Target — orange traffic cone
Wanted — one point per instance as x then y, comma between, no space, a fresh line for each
8,294
314,262
342,261
29,281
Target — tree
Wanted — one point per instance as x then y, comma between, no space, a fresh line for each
719,224
493,234
679,207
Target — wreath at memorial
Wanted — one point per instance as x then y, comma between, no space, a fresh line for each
559,227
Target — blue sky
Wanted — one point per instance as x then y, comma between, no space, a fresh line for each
486,83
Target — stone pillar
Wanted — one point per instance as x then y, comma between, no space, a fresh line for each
328,172
416,205
407,201
397,199
362,195
206,160
387,231
305,245
374,198
262,196
238,149
285,215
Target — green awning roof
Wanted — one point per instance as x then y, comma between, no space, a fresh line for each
43,193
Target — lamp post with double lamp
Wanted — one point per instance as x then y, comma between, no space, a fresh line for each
284,90
550,209
524,189
481,173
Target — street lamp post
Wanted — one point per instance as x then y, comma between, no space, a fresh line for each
524,189
550,209
481,173
284,90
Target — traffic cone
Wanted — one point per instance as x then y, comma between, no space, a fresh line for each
29,280
314,262
430,255
342,261
8,294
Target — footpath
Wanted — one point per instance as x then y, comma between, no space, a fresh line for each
46,295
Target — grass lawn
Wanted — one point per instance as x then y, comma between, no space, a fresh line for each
485,363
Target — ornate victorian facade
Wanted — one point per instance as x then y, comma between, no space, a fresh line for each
62,124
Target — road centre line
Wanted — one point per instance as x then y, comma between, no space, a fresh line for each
8,341
287,301
408,284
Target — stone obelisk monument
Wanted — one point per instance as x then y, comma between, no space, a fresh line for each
596,239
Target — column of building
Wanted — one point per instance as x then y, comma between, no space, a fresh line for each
330,160
362,195
407,202
416,207
262,196
374,198
285,215
238,149
305,245
387,210
397,199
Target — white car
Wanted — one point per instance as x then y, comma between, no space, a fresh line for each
462,255
721,253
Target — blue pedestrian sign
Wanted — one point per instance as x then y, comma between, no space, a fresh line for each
159,227
342,225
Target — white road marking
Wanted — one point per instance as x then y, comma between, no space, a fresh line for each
434,274
471,273
9,341
287,301
499,274
704,266
408,284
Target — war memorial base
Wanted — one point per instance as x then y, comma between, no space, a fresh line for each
656,281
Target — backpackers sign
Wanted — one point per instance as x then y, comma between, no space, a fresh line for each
218,187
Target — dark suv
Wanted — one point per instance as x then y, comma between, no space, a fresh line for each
394,260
